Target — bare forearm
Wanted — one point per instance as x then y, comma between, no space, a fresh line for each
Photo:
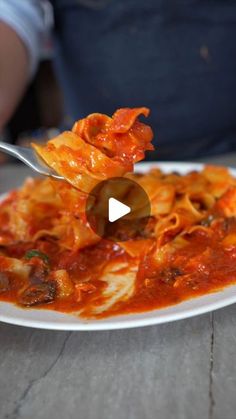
14,71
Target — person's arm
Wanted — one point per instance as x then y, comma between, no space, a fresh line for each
14,71
22,24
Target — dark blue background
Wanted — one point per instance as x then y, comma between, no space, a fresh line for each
176,57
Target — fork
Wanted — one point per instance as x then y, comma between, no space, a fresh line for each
30,158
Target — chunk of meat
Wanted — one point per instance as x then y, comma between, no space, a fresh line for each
38,294
38,274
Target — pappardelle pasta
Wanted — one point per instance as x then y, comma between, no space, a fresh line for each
51,258
99,147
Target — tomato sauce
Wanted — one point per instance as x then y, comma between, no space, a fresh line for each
202,266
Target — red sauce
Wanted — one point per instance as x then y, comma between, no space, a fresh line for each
204,265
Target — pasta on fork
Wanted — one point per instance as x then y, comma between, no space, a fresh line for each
98,147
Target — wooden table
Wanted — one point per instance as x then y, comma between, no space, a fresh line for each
181,370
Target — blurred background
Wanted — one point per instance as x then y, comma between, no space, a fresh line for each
177,58
31,119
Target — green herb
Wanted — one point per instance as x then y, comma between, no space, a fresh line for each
34,253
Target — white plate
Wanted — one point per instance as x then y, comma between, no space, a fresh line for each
49,319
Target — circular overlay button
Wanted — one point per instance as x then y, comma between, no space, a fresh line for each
118,209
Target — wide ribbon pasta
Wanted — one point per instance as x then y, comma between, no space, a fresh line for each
98,147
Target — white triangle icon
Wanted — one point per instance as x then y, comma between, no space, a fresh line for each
116,210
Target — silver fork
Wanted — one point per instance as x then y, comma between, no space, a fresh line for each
30,158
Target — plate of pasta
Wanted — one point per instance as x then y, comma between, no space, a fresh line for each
57,273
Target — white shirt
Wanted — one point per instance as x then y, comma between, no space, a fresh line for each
30,19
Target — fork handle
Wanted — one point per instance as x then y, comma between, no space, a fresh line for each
9,149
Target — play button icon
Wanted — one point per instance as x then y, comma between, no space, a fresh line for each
118,209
